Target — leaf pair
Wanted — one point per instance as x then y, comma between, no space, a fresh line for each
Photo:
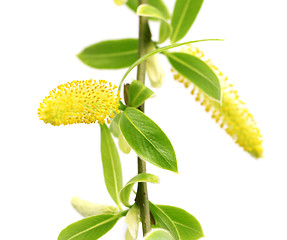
180,225
184,14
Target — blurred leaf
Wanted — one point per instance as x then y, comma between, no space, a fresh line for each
150,11
196,71
158,234
133,4
111,54
147,139
111,165
138,93
158,4
181,224
89,228
142,177
128,235
184,14
164,31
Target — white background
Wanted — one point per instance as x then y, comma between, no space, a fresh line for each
232,195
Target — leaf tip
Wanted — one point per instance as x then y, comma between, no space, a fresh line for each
79,56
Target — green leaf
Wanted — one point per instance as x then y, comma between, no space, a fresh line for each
138,93
142,177
158,50
158,4
89,228
132,4
159,234
184,14
164,221
196,71
164,31
114,126
111,54
111,165
181,224
147,139
150,11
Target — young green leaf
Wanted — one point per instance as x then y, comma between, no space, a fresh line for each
150,11
184,14
89,228
147,139
142,177
196,71
158,234
164,31
111,54
111,164
138,93
181,224
158,4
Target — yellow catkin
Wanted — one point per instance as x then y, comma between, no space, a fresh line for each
86,101
232,115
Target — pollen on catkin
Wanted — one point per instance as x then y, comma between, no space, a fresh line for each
232,115
86,101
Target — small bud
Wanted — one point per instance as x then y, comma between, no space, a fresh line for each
124,146
87,209
132,219
154,69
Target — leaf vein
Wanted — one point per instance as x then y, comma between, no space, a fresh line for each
112,54
90,228
180,20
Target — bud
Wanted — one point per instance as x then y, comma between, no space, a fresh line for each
87,209
154,69
232,115
86,101
132,219
124,146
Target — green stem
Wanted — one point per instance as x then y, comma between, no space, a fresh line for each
142,194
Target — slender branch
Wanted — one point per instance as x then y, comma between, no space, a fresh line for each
142,194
